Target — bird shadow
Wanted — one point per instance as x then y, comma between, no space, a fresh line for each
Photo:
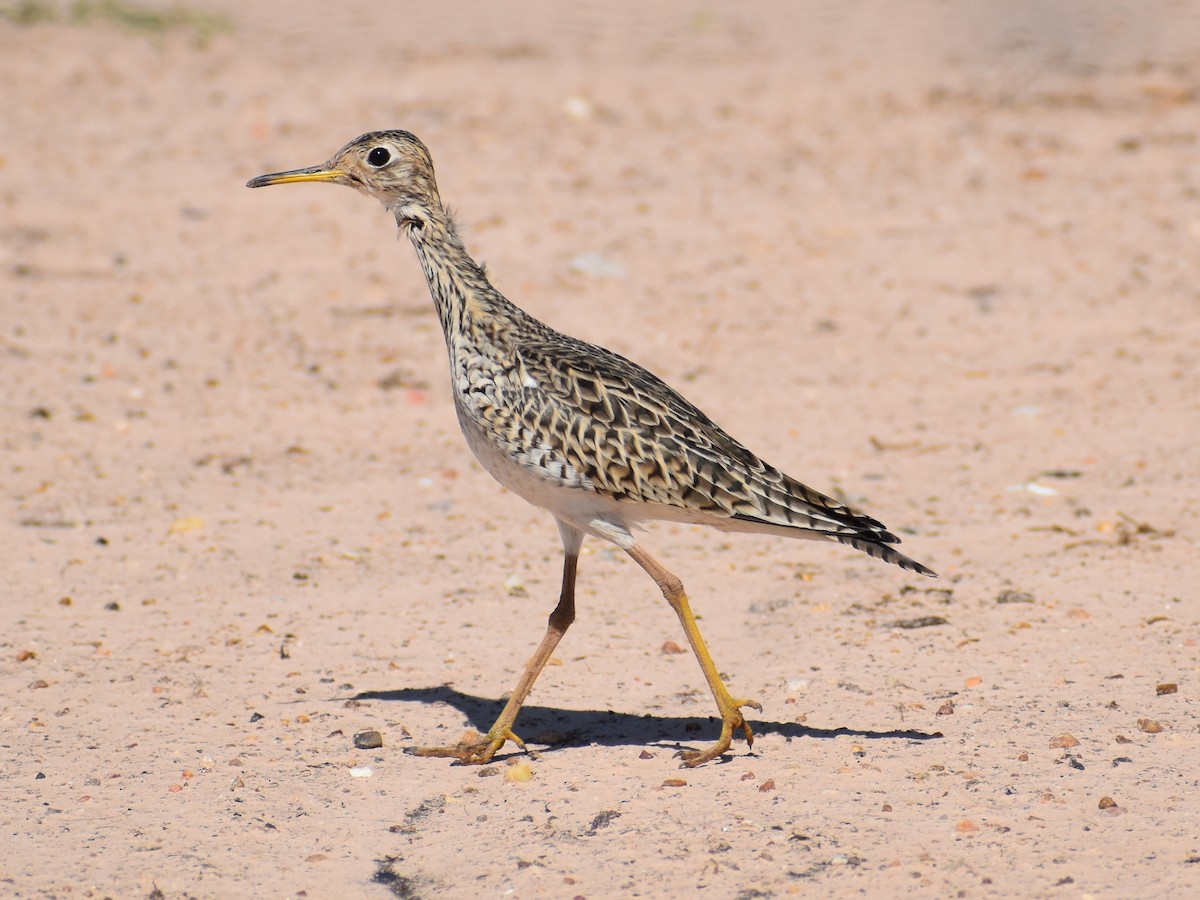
578,727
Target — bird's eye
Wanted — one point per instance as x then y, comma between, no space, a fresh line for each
379,157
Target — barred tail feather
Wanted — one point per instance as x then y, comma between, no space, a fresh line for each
882,551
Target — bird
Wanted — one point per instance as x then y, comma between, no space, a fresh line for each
596,440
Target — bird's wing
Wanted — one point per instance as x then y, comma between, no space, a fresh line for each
636,438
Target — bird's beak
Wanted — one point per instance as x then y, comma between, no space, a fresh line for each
312,173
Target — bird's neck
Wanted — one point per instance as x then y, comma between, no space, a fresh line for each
469,307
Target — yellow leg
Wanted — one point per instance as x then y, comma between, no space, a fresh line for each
731,715
481,750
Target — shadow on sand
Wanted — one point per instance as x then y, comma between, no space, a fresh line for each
614,729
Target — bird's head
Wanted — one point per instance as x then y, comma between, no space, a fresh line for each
394,167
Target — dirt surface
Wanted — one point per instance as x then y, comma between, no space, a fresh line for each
946,265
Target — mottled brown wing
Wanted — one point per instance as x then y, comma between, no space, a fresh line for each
635,437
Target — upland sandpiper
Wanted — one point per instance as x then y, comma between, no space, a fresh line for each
594,439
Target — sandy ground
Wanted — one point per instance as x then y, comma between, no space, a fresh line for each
945,264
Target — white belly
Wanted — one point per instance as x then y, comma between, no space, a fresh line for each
562,492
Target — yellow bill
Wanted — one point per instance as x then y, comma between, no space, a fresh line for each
312,173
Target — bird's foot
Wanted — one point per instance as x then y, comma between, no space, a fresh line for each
732,721
474,749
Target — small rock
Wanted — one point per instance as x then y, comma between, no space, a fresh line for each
1107,803
518,773
768,785
596,265
1033,487
186,525
674,782
946,709
919,622
1010,596
966,826
368,740
1150,726
1167,688
645,754
671,647
578,109
1063,741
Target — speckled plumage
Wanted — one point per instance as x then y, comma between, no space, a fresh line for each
595,439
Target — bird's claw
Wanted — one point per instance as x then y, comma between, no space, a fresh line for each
474,749
732,720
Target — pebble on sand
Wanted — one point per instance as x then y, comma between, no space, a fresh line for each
368,740
519,773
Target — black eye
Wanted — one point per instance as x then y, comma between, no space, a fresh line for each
379,157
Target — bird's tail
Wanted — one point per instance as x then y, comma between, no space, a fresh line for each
881,550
